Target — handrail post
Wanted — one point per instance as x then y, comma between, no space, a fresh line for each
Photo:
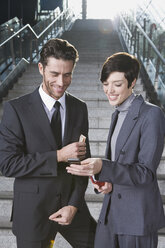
30,48
161,44
12,53
20,46
144,40
138,44
84,9
132,38
135,41
63,20
152,27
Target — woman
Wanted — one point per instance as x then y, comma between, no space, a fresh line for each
132,210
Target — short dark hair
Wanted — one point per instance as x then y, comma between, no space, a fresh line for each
121,62
59,49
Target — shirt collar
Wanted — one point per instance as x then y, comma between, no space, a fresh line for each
50,101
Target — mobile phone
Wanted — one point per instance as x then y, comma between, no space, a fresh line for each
73,160
100,184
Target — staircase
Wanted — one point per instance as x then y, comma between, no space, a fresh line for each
95,40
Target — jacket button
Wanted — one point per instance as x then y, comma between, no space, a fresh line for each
122,152
119,196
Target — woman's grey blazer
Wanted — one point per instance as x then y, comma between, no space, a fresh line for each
135,205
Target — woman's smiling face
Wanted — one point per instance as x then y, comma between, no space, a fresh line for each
116,88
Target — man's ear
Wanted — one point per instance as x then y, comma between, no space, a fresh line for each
133,83
40,67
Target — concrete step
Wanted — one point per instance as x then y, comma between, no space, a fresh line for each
100,112
161,183
79,73
93,70
95,67
82,93
161,168
99,122
100,134
97,149
75,86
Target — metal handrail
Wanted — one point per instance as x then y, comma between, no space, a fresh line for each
145,35
9,27
153,10
126,27
25,44
29,26
137,42
12,77
151,43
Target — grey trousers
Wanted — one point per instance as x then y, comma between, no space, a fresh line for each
106,238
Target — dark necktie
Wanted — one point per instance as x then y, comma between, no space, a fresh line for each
56,125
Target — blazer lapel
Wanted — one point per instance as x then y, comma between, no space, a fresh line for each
128,125
70,115
112,126
39,115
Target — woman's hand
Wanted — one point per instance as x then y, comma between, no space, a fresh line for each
88,167
105,189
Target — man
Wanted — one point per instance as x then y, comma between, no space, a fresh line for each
132,211
36,141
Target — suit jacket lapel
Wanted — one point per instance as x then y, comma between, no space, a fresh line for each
70,115
112,126
39,115
128,125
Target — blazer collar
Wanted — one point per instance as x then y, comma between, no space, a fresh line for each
112,126
70,116
126,128
39,115
128,124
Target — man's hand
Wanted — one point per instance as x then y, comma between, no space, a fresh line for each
88,167
64,216
105,189
74,150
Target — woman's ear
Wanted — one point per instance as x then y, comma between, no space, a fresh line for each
133,83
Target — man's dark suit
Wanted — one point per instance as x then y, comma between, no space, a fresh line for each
28,153
135,206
